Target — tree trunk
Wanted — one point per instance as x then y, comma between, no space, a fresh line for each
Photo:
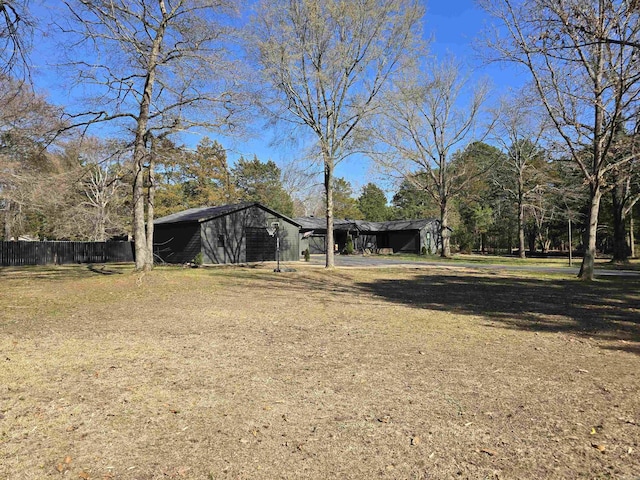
531,237
7,220
328,188
101,229
632,237
570,244
144,257
139,233
151,194
543,239
619,224
588,262
521,248
444,229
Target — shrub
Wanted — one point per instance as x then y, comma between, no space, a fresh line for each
348,248
307,255
198,259
423,251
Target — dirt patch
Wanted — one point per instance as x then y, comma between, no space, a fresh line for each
243,373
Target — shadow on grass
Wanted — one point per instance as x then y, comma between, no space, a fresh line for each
607,309
103,270
61,272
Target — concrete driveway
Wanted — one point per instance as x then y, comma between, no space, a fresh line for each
389,261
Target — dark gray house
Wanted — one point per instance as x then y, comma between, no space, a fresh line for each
226,234
402,236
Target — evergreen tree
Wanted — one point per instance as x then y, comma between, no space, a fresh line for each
193,179
372,203
262,182
344,205
411,202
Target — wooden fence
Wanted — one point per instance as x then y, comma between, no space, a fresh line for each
58,253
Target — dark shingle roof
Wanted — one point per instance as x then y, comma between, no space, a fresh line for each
395,225
203,214
319,223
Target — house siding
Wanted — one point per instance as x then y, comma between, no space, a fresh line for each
224,239
289,241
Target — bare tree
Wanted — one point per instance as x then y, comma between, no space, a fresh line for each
588,84
28,124
425,124
544,211
301,183
95,209
15,34
521,173
158,67
329,63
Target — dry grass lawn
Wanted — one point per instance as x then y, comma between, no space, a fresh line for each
372,373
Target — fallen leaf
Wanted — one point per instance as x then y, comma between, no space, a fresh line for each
599,447
385,419
60,467
84,475
67,459
596,429
415,441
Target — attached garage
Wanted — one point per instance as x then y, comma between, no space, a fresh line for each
401,236
225,234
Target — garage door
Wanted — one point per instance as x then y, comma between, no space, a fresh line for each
404,241
261,247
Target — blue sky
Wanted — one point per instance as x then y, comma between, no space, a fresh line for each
454,26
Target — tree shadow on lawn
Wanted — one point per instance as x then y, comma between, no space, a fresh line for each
61,272
608,309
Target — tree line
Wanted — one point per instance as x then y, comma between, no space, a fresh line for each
80,188
348,79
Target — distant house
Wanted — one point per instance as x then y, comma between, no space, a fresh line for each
225,234
401,236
